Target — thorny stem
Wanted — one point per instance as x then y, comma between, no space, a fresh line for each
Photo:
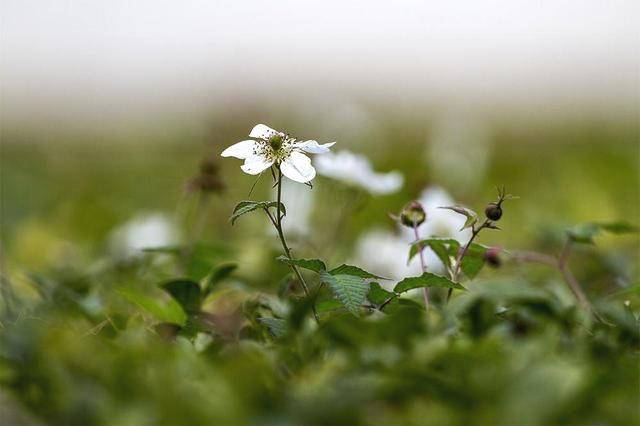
425,290
572,282
277,222
562,264
463,252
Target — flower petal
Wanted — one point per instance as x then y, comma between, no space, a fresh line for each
262,131
256,164
313,147
240,150
298,167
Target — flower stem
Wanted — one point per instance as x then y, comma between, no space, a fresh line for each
423,264
278,225
463,252
561,263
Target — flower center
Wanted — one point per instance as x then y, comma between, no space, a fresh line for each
275,142
275,148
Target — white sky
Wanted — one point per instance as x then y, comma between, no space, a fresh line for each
101,57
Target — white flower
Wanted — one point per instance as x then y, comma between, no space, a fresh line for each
142,232
356,169
272,147
440,223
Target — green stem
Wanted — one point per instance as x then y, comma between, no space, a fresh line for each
570,279
423,264
287,250
463,252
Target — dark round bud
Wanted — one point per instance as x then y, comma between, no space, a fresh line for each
413,214
493,211
208,167
492,257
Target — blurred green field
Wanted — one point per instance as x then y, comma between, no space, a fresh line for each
80,342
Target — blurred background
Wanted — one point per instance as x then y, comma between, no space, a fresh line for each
113,115
108,108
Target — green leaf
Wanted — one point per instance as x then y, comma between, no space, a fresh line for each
315,265
472,217
354,271
244,207
197,259
274,204
473,260
377,295
171,312
350,290
584,233
277,327
219,273
329,305
618,227
444,248
187,293
427,279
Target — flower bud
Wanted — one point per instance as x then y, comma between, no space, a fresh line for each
208,167
493,211
413,214
491,256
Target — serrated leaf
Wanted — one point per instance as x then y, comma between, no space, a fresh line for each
274,204
472,217
427,279
187,293
444,248
276,326
354,271
350,290
172,312
315,265
242,208
377,295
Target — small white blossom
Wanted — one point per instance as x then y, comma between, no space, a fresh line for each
355,169
442,223
269,147
142,232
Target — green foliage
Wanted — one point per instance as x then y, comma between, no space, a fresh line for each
427,279
377,295
447,251
314,265
472,217
244,207
172,312
350,290
586,232
186,293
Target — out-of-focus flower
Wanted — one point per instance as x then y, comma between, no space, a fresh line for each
386,252
143,231
355,169
441,223
273,147
208,181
